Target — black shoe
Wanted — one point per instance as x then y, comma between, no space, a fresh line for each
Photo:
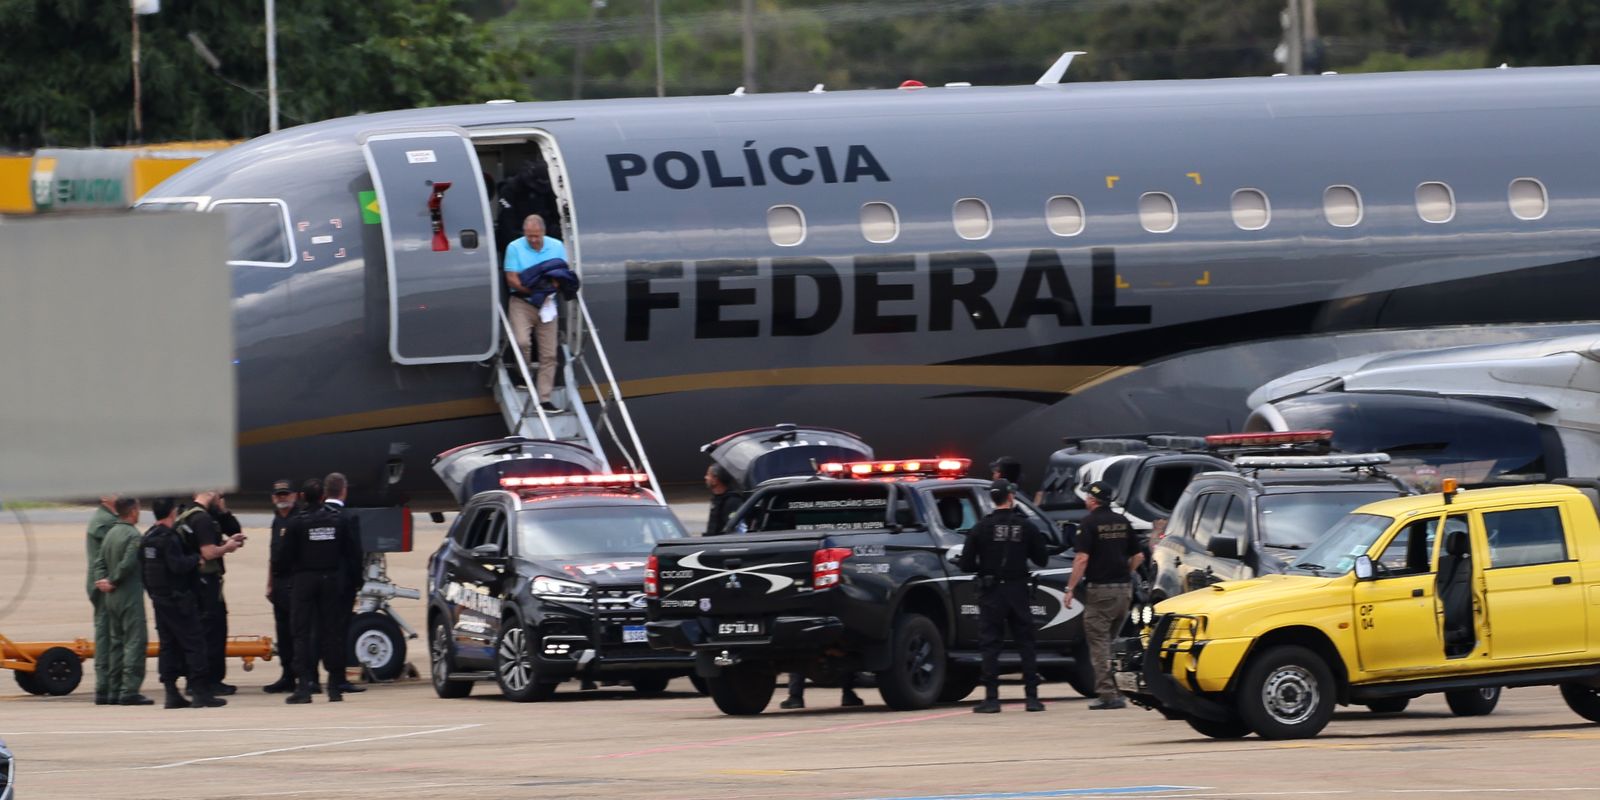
221,689
1034,704
851,700
987,707
316,688
793,702
299,697
279,686
100,699
549,408
335,696
175,698
205,699
135,699
350,688
1105,703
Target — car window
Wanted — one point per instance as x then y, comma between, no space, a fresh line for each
1045,526
835,505
1408,552
1525,536
955,509
1335,553
1236,521
1166,485
1208,520
548,533
1295,520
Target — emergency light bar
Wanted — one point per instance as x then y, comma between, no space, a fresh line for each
618,479
1268,438
1311,462
910,466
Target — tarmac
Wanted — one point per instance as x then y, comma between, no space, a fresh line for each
400,741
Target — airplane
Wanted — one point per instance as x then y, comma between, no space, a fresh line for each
944,270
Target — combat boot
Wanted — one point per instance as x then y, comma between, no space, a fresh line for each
205,698
135,699
175,698
281,685
991,701
301,696
1033,699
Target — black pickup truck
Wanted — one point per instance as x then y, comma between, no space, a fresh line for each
849,570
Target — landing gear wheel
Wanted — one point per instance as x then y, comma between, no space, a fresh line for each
57,671
1080,676
442,660
958,683
28,684
743,690
650,685
514,667
1389,705
1232,729
1473,702
1287,693
1581,698
917,663
377,645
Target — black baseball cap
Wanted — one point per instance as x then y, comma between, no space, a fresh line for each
282,485
1102,491
1002,486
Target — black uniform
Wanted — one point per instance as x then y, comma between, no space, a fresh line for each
323,554
998,549
197,525
169,564
282,594
722,506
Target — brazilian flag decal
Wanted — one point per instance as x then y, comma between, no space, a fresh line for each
370,213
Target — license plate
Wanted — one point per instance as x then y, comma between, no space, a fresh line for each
1130,682
633,633
740,628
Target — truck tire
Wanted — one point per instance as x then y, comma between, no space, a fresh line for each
377,645
1389,705
1287,693
515,668
959,681
1581,698
57,671
743,690
650,685
442,660
1473,702
917,662
1233,729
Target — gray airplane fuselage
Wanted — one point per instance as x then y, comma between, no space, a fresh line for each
945,339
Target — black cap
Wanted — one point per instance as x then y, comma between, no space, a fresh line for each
1102,491
282,485
1002,486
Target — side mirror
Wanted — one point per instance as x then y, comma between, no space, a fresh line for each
1364,570
953,555
486,552
1224,546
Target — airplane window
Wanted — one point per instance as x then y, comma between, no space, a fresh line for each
1342,206
972,218
1065,215
786,225
258,232
1528,199
1435,202
880,223
1251,212
1158,213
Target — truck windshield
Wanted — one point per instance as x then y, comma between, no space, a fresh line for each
834,505
1297,520
594,530
1336,553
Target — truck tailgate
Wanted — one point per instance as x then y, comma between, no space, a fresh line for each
746,575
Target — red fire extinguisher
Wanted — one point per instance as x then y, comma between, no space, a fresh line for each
441,242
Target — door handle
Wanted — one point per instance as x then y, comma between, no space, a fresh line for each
1561,580
1416,592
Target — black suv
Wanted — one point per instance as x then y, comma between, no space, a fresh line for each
542,580
1237,525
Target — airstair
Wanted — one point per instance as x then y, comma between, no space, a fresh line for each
599,424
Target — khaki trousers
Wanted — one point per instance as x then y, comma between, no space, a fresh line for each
530,331
1104,612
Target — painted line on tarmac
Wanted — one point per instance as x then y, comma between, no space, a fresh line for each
313,746
1104,791
148,731
781,734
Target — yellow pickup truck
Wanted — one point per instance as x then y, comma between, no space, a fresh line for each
1462,592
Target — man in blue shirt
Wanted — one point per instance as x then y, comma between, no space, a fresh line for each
529,321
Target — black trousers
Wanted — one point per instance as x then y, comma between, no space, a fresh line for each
321,618
214,621
283,620
1006,603
178,629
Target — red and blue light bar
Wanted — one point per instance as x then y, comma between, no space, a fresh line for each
949,467
542,481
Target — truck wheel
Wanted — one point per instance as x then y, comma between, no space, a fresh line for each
441,660
700,685
917,663
377,645
1473,702
650,685
1287,693
959,681
743,690
1583,699
514,666
1389,705
57,671
1233,729
1081,674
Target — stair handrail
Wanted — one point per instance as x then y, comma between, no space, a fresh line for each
527,378
622,405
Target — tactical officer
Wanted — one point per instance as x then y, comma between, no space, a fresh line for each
100,522
724,500
1108,553
323,555
124,606
998,549
200,524
170,564
336,487
280,585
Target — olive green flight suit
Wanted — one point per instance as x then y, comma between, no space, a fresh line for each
99,523
124,659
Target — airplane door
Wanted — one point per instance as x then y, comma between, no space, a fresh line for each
439,245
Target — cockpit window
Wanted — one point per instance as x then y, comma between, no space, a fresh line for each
258,232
